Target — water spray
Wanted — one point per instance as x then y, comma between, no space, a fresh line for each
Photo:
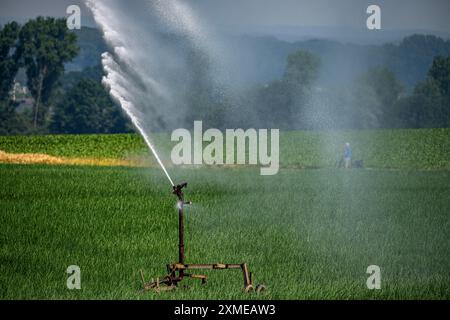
130,77
127,106
136,123
177,271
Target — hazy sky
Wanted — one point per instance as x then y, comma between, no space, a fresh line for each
431,15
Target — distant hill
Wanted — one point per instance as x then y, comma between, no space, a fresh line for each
344,34
410,59
261,59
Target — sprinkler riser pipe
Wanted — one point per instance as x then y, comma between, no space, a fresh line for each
178,191
181,236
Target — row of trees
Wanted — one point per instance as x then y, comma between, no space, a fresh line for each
375,99
76,102
41,47
429,104
62,103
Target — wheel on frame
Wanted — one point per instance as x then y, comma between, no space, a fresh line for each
260,288
248,288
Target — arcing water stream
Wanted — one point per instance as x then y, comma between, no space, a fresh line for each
144,75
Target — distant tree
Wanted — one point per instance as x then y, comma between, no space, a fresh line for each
366,108
440,72
419,109
273,104
11,122
9,58
45,45
429,105
302,70
87,108
281,102
199,92
70,79
411,59
386,86
387,91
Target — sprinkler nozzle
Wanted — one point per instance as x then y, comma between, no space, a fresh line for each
181,204
178,190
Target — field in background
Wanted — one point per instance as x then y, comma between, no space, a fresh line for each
388,149
305,233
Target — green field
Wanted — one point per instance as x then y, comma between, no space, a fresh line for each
306,234
425,149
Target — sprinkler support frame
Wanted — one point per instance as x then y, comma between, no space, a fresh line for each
176,271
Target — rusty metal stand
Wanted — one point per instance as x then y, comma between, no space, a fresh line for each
176,271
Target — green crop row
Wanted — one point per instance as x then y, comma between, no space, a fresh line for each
83,146
414,149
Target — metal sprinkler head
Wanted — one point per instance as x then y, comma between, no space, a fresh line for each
178,190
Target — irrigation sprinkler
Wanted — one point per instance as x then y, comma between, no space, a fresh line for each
176,272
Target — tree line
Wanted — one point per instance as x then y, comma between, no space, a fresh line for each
375,99
42,47
76,102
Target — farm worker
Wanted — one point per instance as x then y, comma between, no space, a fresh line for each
347,156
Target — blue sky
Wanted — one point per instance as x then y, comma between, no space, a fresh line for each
433,15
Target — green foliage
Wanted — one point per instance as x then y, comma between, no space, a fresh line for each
302,70
387,90
306,96
84,146
72,78
42,46
370,101
10,121
306,234
281,102
440,72
9,64
45,46
410,60
429,105
365,108
87,108
274,96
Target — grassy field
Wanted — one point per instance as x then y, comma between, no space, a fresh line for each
306,234
426,149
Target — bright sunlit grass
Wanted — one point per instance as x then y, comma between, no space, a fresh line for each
305,234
